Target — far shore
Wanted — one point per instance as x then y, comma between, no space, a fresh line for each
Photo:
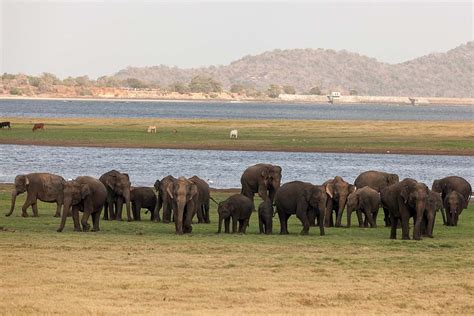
284,98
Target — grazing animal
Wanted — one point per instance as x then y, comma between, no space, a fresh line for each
151,129
234,133
175,130
38,126
5,124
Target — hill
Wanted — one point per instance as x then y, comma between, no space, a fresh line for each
439,74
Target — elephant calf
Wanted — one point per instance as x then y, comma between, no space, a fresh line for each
454,204
433,204
365,200
143,197
265,217
239,208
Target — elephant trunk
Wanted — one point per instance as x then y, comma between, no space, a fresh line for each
66,207
127,205
180,217
420,209
14,194
341,203
220,224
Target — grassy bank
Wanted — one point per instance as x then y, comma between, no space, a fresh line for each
143,267
455,138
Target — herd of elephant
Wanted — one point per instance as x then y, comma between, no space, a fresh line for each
314,205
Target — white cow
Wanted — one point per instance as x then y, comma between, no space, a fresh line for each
234,134
151,129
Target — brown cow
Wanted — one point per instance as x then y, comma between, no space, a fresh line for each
5,124
38,126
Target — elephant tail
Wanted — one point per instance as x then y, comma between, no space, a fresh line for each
212,199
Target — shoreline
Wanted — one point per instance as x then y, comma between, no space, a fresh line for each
283,99
468,153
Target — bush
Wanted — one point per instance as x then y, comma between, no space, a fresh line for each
16,91
274,91
353,92
179,87
289,90
315,91
34,81
237,88
135,83
204,84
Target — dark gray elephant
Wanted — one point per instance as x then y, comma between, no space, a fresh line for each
265,217
454,204
453,183
301,198
263,179
378,181
85,194
118,192
367,201
164,200
202,206
434,204
45,187
143,197
237,207
340,190
184,196
406,199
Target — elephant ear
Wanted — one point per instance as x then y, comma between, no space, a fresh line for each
194,191
169,189
352,188
27,182
329,188
404,194
110,181
85,191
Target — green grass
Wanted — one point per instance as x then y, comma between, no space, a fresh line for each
353,136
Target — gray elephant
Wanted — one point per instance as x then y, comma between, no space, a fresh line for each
265,217
184,196
301,198
143,197
45,187
202,206
263,179
85,194
164,200
454,204
340,190
239,208
406,199
453,183
434,204
378,181
367,201
118,192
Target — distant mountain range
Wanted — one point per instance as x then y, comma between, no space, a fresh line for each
447,74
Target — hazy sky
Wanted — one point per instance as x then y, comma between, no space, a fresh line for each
101,37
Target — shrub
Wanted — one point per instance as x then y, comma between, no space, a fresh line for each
16,91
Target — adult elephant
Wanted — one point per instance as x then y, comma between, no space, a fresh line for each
406,199
85,194
118,192
433,204
301,198
453,183
164,200
202,206
263,179
378,181
143,197
184,196
367,201
45,187
340,191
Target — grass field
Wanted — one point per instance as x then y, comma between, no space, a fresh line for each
143,267
455,138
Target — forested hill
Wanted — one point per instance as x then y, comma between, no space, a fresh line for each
447,74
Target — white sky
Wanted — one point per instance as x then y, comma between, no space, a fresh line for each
101,37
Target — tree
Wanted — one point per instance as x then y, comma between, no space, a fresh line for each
315,91
83,81
204,84
50,79
289,89
179,87
135,83
274,91
353,92
34,81
237,88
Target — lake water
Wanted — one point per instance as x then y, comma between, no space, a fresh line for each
223,168
227,110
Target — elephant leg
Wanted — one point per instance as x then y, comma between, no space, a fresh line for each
75,217
393,230
283,223
443,214
321,223
431,221
312,217
246,224
118,209
359,217
58,210
227,225
303,217
95,221
63,221
207,219
368,217
349,218
106,211
417,228
234,224
405,226
138,211
166,212
200,214
339,218
387,218
260,225
34,207
269,226
187,221
85,218
29,201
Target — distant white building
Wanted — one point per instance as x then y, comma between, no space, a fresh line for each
334,96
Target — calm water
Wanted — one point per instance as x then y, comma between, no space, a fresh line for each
227,110
223,168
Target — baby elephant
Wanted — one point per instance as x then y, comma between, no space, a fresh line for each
453,203
237,206
365,200
143,197
265,217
